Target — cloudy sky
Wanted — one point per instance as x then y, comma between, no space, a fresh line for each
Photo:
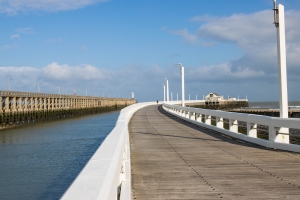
114,47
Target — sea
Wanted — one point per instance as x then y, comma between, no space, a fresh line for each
40,161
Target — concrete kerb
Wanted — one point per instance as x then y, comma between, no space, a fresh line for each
108,168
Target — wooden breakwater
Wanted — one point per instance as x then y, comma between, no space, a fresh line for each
220,104
17,108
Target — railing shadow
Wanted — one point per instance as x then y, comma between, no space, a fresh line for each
217,135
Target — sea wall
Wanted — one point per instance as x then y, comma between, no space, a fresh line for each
20,108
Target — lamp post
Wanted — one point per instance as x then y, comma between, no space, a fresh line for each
167,83
9,84
58,89
281,53
177,96
189,97
279,22
39,87
164,92
182,82
85,92
196,98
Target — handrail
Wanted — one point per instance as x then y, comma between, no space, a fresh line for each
109,168
278,127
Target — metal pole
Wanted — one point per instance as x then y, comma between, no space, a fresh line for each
177,96
164,93
167,83
281,52
279,22
58,89
196,97
182,78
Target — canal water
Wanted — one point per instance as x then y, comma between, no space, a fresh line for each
40,161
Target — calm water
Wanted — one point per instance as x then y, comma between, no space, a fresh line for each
274,105
40,161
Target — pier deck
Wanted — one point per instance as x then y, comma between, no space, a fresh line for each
173,159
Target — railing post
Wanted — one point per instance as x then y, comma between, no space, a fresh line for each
219,122
252,130
275,136
199,117
233,125
208,119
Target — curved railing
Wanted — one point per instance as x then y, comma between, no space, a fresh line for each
278,128
107,174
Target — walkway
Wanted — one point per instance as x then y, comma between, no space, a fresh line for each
173,159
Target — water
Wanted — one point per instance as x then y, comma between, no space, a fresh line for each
41,161
293,105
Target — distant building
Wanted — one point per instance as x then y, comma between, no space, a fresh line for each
213,97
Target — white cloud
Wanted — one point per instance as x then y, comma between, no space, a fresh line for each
9,46
15,36
15,6
255,35
27,30
186,36
65,72
146,82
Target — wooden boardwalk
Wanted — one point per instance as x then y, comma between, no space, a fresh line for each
173,159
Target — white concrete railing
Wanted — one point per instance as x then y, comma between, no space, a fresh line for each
109,168
278,127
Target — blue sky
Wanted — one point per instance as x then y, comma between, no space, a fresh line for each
116,47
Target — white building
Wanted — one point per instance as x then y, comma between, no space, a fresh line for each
213,97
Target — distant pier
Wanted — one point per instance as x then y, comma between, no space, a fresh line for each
267,112
220,104
27,107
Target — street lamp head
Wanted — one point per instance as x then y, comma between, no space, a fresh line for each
179,64
275,15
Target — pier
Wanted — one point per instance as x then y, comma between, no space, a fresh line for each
26,107
174,159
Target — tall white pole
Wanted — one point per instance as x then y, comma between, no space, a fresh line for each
182,83
167,83
281,53
182,78
282,75
164,93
